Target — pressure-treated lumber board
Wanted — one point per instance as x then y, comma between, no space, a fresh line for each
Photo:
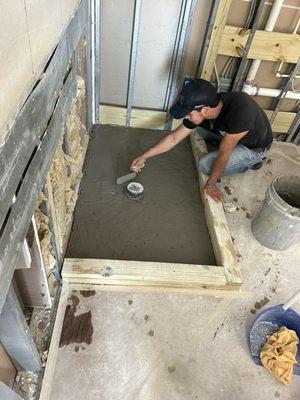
217,223
140,118
111,115
267,46
54,345
216,37
149,119
119,272
282,121
226,293
22,210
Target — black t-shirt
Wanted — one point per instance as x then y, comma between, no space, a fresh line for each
240,113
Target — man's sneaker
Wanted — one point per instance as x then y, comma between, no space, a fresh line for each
257,166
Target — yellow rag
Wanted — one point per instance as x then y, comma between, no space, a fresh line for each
278,355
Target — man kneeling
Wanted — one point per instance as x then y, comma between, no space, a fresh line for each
233,120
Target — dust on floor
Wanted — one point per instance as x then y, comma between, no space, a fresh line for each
149,346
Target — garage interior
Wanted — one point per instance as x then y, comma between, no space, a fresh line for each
103,296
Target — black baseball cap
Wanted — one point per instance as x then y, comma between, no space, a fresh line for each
195,94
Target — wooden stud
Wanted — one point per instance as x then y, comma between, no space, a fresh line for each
216,37
266,46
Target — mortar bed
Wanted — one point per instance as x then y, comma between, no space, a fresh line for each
166,225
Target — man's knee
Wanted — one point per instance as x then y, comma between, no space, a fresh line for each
205,164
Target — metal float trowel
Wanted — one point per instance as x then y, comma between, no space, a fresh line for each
126,178
132,175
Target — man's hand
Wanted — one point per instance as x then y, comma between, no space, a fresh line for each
138,164
214,193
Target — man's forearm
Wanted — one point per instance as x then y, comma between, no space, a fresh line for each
164,145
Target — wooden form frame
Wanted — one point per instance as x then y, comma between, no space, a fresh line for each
226,275
215,40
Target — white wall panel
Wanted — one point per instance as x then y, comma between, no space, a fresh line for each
115,43
44,26
159,20
158,25
196,39
68,8
16,68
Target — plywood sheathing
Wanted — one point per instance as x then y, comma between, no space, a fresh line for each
66,168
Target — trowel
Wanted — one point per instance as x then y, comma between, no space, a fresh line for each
126,178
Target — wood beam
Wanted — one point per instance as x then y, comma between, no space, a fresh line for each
151,119
140,273
216,38
217,223
266,46
282,121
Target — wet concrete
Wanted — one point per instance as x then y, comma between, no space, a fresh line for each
167,225
76,328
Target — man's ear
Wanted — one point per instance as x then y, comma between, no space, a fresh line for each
205,110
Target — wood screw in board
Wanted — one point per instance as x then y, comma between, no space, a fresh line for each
107,272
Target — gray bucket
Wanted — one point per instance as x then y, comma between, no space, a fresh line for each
277,225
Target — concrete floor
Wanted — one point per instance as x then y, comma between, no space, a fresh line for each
151,346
